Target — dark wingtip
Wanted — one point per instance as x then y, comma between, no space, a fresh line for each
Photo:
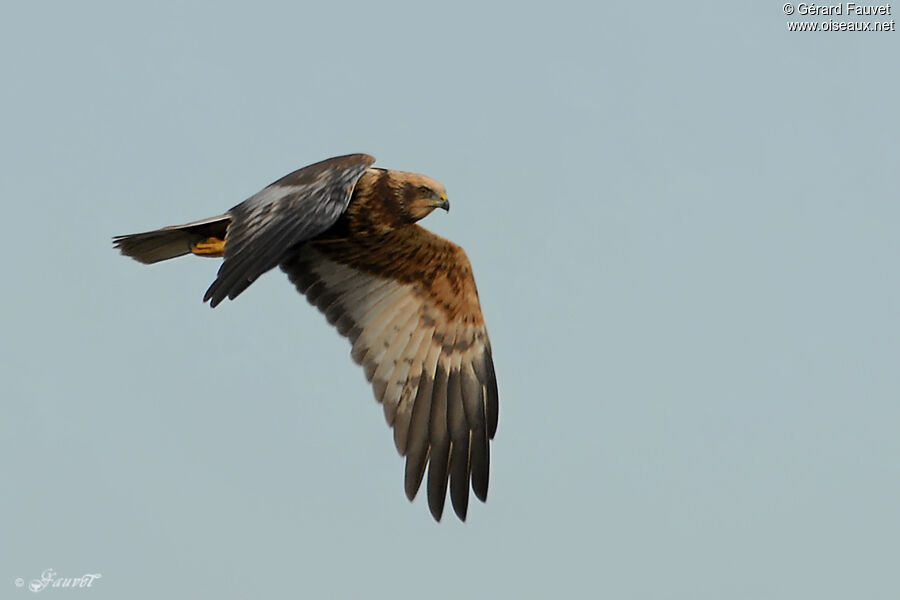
461,511
412,480
211,296
437,494
480,486
437,510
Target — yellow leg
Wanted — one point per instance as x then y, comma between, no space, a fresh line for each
212,247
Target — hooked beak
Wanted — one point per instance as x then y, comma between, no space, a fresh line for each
445,204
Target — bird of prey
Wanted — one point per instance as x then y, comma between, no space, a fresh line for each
346,235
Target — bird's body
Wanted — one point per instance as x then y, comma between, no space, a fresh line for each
346,235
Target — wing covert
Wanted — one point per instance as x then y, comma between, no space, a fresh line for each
288,212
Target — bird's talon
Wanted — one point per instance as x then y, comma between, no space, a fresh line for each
212,247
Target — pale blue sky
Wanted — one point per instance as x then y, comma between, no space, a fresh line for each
683,222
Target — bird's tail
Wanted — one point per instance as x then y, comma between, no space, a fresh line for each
204,238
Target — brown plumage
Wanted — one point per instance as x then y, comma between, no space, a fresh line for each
346,235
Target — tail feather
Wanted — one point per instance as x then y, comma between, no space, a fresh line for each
169,242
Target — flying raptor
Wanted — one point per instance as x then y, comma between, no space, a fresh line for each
346,235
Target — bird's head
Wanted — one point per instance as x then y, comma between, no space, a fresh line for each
419,195
396,198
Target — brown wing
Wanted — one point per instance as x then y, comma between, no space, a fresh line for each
409,306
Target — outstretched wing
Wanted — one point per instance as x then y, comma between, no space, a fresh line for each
409,306
266,226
